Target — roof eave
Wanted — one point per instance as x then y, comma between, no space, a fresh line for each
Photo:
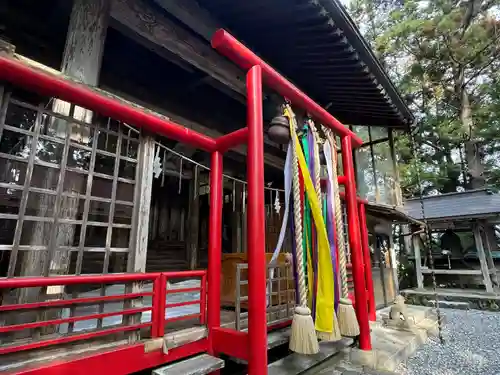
342,19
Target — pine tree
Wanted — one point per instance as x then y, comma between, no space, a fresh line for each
444,56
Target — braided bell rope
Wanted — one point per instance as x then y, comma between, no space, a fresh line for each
338,216
297,209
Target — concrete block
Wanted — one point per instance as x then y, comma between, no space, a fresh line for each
363,357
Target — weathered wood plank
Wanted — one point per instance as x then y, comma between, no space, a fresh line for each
482,258
190,13
185,336
85,40
143,196
141,19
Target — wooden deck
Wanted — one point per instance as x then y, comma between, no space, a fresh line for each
176,334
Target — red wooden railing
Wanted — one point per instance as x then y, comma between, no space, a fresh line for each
158,307
162,299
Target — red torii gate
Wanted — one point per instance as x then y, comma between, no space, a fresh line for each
251,346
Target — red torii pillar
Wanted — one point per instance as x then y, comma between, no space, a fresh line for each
258,73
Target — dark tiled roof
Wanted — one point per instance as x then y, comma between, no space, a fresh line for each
472,203
316,45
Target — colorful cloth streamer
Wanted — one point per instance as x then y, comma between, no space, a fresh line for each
331,220
325,313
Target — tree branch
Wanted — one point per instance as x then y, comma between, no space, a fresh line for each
494,41
487,5
476,74
468,17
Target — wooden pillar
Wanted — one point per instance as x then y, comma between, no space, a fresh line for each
82,61
489,242
398,195
83,52
162,227
193,220
418,260
155,215
488,232
236,221
182,223
482,258
138,248
394,262
140,224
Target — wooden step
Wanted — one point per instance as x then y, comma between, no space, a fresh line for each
199,365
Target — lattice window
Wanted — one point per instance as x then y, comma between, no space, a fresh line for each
67,188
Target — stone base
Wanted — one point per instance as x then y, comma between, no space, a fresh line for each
394,342
363,358
454,298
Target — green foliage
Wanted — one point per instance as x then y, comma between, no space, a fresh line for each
444,56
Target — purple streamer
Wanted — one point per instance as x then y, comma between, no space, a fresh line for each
310,143
333,250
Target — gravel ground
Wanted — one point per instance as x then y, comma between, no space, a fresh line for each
471,347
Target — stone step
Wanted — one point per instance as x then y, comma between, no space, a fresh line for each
450,305
277,338
295,364
199,365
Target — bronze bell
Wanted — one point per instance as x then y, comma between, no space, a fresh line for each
279,130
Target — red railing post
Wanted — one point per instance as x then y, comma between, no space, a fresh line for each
257,324
367,261
203,299
214,246
155,312
162,303
355,245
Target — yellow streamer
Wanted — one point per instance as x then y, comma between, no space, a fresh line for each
310,273
325,314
